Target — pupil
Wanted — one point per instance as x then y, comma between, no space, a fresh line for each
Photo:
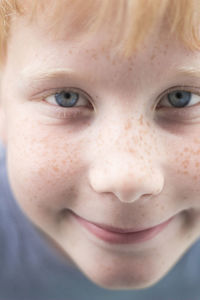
179,95
67,95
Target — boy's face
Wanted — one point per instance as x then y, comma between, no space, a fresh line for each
122,156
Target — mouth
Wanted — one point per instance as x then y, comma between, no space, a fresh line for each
120,235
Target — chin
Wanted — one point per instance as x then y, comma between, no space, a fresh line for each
110,280
124,284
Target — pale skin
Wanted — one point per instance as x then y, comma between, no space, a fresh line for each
120,160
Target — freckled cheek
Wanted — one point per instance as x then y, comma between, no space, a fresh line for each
185,175
189,165
43,168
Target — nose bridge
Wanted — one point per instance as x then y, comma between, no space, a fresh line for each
126,164
126,145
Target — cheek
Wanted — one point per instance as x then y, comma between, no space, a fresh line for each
185,172
188,161
43,167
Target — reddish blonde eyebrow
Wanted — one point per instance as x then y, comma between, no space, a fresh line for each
34,74
189,70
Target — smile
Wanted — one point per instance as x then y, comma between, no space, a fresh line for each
121,236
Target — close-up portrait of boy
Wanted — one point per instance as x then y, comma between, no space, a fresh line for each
102,150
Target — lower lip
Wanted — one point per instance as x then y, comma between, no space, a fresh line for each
122,238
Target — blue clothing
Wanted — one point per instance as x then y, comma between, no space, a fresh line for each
31,270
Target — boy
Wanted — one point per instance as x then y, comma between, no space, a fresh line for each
100,116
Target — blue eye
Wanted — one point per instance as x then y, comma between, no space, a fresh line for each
179,99
67,99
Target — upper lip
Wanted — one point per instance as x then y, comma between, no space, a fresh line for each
117,229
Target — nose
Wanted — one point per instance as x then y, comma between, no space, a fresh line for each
128,176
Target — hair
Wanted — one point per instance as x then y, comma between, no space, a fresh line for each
130,21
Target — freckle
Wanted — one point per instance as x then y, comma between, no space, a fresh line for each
197,164
94,56
197,152
114,62
40,170
186,162
186,149
131,150
196,141
56,168
185,172
153,56
128,125
141,120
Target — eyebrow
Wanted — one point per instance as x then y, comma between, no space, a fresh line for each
30,74
188,71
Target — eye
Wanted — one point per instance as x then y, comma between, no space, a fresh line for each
179,99
68,98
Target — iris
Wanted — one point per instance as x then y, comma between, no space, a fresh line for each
179,98
67,99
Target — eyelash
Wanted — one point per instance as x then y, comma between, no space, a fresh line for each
75,111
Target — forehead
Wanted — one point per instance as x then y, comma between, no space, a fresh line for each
72,19
22,28
44,51
63,30
53,41
129,22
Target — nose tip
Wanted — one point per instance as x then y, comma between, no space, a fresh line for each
130,198
127,187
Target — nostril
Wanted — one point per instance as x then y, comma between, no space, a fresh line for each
146,196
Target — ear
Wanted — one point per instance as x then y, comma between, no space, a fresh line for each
2,126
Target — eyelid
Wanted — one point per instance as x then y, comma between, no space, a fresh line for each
180,88
64,89
54,91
